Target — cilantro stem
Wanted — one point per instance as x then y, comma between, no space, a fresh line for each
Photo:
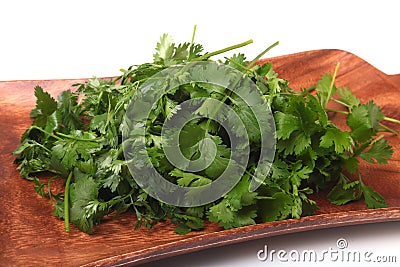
78,138
391,120
337,111
331,85
40,145
65,135
237,64
99,101
50,134
66,203
389,129
254,61
229,48
334,78
192,41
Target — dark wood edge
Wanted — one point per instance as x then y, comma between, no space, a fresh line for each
252,232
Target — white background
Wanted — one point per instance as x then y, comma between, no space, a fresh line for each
78,39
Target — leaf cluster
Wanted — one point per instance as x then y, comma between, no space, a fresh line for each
80,134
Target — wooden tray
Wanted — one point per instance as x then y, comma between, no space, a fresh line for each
30,235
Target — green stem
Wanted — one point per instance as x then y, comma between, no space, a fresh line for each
78,138
99,101
340,102
66,202
391,120
377,139
192,41
337,111
331,85
40,145
237,64
50,134
254,61
65,135
389,129
229,48
334,77
193,35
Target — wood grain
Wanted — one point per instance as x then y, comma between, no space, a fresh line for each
31,236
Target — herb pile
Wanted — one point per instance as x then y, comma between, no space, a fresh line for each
78,138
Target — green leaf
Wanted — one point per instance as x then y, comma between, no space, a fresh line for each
325,89
364,121
189,179
98,122
240,196
52,122
344,191
69,110
243,217
320,113
45,106
286,124
372,198
164,48
379,152
221,160
297,144
221,213
112,182
181,51
194,51
350,163
82,193
341,140
182,230
44,102
375,114
347,97
237,61
67,151
278,208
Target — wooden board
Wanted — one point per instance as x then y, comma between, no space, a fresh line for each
30,235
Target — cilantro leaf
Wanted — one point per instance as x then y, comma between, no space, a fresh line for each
379,152
325,89
344,191
45,106
372,198
84,191
276,208
189,179
347,97
69,110
340,139
164,48
364,121
286,125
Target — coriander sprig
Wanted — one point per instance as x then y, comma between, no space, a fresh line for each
78,138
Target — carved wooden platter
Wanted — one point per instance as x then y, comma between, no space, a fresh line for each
31,236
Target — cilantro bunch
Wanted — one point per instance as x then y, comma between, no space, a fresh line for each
78,137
